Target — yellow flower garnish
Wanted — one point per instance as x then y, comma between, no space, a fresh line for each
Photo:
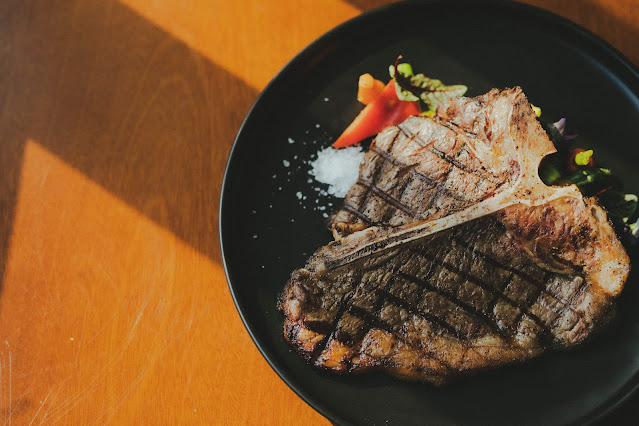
536,110
583,158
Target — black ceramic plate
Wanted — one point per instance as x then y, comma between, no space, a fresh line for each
267,230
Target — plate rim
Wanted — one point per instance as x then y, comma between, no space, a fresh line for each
582,33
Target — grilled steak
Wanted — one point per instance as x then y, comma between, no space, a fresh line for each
452,256
424,169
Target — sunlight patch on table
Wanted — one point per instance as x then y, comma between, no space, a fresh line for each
250,40
106,316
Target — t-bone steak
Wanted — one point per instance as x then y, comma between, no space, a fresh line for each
450,254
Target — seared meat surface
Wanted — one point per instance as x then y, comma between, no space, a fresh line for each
451,255
426,168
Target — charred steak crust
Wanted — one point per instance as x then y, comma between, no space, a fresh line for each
438,269
426,168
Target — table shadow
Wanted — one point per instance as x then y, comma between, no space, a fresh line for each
128,105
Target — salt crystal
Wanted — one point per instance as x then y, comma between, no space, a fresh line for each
339,168
286,163
299,195
290,140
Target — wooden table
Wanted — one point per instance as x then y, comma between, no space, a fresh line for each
116,120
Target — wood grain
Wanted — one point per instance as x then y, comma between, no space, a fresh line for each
116,119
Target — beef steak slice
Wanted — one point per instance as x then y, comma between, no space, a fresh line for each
452,256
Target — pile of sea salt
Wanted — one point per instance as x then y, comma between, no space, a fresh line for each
338,168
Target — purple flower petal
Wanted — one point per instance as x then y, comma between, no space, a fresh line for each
560,125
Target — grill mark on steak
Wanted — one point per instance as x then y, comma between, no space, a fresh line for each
374,180
388,199
443,189
381,293
318,326
496,263
394,161
359,214
433,319
384,295
387,207
321,347
512,328
426,286
386,156
481,316
379,323
541,285
520,317
388,215
568,306
455,127
488,288
457,164
440,189
373,320
561,260
489,177
411,307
